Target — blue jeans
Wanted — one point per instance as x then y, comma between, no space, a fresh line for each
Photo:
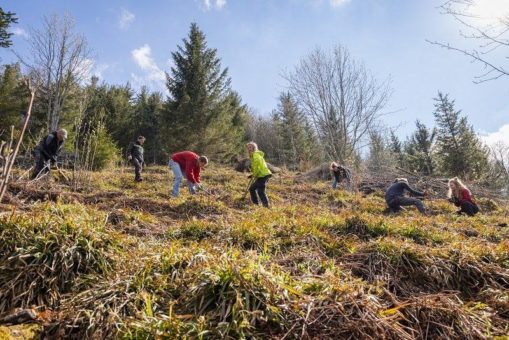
177,172
348,184
334,183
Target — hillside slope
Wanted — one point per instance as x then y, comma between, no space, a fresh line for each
125,259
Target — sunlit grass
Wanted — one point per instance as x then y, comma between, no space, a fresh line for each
128,260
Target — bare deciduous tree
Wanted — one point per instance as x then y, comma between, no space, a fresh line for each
341,97
500,156
488,36
60,58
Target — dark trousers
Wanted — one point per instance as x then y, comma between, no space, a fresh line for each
396,203
469,208
40,164
258,187
138,167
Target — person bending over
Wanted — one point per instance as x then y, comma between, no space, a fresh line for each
189,164
340,173
46,152
395,196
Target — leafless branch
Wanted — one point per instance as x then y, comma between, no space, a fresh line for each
342,99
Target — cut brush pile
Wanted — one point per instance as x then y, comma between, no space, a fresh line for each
126,260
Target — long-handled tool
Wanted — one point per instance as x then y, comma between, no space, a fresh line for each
251,181
42,172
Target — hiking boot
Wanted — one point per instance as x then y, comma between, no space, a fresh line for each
138,180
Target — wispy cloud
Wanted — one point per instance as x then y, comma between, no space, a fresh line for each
207,5
502,135
153,74
20,32
338,3
98,70
125,18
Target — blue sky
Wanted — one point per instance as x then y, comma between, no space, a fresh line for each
258,40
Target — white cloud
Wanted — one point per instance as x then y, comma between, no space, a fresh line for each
98,70
220,4
207,5
490,9
18,31
126,18
153,74
502,135
338,3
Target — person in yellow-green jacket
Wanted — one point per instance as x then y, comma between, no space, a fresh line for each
260,174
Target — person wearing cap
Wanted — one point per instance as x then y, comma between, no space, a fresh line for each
189,164
395,196
46,152
135,156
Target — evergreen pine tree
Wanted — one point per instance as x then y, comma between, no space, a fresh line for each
418,150
396,148
459,150
379,157
201,113
145,121
291,123
6,19
13,96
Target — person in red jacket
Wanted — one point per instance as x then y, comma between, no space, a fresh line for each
461,197
189,164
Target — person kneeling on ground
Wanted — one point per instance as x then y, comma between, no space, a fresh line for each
394,196
260,174
340,173
461,197
46,152
135,156
190,164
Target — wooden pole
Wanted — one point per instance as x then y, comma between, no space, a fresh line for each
12,158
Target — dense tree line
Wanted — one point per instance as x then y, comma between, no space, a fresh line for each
331,110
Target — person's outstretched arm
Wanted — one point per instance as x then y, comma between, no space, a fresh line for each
413,192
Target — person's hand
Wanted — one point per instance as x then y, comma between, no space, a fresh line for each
129,157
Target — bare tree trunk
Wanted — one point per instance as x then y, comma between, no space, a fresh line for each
60,58
343,101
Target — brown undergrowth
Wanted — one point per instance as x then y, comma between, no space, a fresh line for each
125,259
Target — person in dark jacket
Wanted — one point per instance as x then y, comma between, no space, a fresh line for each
189,164
461,197
46,152
395,196
135,156
340,173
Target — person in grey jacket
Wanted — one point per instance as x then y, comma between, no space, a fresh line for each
135,156
395,196
46,152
